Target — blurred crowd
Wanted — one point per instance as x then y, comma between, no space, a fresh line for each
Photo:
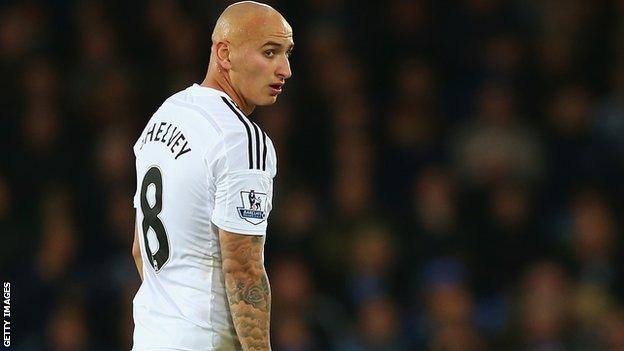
450,172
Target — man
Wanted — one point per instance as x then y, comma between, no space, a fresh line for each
199,239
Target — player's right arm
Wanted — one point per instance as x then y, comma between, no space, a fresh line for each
247,288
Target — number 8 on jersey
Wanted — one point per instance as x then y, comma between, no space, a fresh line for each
151,219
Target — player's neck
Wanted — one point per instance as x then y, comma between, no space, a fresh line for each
222,83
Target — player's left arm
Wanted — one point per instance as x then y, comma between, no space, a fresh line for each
247,288
136,252
243,201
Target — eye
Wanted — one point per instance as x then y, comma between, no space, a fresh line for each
269,53
288,53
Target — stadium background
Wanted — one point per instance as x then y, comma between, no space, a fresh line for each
450,172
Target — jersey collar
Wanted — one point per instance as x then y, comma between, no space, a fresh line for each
202,90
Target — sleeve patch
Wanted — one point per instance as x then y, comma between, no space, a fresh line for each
252,206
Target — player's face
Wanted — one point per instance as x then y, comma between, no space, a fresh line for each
261,65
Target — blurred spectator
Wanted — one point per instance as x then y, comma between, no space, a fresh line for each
413,131
544,313
609,126
296,230
455,338
611,330
112,158
561,24
293,334
590,309
496,144
22,30
378,328
48,260
58,246
503,57
448,303
593,240
508,240
372,260
67,328
436,213
448,309
304,319
353,178
573,157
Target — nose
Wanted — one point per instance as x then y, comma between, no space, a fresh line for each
283,69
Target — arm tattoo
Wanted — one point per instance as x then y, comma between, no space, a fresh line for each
247,288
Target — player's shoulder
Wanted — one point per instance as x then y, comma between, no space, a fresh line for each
247,142
187,115
196,107
243,142
216,108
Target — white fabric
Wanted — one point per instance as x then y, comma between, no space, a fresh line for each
201,149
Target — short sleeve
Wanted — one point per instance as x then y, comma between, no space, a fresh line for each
241,173
243,201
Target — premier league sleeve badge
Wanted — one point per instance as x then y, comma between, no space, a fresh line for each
253,209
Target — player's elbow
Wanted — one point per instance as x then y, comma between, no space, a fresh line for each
243,270
240,268
247,282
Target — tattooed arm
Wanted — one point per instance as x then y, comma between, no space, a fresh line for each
247,288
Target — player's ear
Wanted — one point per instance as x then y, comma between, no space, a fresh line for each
223,54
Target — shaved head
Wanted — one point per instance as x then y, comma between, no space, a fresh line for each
239,21
249,56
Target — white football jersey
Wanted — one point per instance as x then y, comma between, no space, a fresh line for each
201,165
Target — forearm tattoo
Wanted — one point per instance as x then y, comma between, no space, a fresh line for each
248,289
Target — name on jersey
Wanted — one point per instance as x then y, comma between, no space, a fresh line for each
168,134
